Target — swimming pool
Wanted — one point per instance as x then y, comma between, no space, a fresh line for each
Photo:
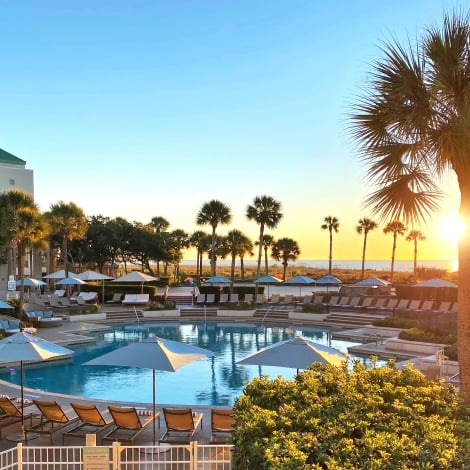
211,382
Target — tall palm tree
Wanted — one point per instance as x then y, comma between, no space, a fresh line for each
285,249
415,236
214,213
365,226
237,244
67,221
412,125
268,242
22,227
160,225
200,241
332,225
266,212
395,227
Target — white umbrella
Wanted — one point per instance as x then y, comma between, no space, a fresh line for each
153,353
59,274
95,276
22,347
136,276
297,353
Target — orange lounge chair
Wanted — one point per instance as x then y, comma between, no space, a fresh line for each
127,424
222,421
53,419
181,425
11,414
91,421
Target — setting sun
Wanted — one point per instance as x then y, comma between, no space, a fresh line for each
452,228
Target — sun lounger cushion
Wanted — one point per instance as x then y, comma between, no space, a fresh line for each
136,299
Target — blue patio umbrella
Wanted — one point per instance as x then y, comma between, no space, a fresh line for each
31,282
328,280
268,281
218,280
299,281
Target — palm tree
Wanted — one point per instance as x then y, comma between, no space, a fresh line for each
415,236
68,222
266,212
285,249
365,226
412,126
268,242
214,213
332,225
160,225
22,227
237,243
200,241
395,227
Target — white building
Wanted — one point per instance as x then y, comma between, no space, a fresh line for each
15,175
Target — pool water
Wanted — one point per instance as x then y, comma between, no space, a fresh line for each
214,381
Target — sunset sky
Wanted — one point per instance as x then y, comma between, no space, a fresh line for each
152,108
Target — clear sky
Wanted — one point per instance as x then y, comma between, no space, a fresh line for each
151,108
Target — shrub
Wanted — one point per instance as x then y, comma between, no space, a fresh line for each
84,309
416,334
238,306
330,417
314,308
165,306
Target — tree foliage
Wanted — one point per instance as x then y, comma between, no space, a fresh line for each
337,418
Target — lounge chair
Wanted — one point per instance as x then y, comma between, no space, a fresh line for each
117,297
65,301
127,424
136,299
223,298
274,299
248,298
58,293
200,299
10,327
92,297
414,305
403,304
210,298
53,419
233,299
91,421
260,300
11,414
55,304
426,306
181,425
288,299
444,307
222,421
317,299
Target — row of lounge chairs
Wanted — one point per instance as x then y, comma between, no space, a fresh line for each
125,424
374,303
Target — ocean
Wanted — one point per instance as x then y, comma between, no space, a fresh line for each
376,265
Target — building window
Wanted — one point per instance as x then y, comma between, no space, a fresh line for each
12,182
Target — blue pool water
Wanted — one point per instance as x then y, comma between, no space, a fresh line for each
211,382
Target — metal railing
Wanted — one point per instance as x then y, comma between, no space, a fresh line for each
191,456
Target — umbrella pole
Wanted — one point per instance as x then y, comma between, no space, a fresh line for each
154,407
22,401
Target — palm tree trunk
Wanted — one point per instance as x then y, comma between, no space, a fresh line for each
463,315
392,266
21,276
266,260
260,250
363,254
66,256
415,258
331,251
232,269
213,262
242,268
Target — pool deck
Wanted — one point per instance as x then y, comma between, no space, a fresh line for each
76,332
